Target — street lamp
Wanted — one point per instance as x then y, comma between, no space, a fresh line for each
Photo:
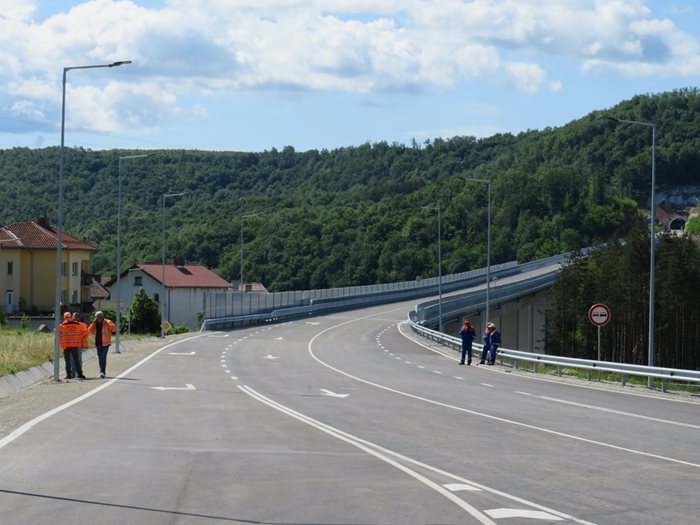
488,247
117,349
59,229
245,217
652,248
162,267
437,208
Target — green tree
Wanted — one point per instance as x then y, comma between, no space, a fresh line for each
144,315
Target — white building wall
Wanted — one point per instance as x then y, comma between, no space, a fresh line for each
181,304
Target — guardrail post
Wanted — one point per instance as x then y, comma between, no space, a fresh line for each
536,367
588,373
559,370
623,378
517,364
663,384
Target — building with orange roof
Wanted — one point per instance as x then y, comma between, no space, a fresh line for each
28,269
184,286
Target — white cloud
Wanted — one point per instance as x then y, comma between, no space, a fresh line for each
360,46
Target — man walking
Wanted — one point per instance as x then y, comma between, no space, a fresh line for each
71,340
102,329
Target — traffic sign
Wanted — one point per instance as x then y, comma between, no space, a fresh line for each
166,326
599,315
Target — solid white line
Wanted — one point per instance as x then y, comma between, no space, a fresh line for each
30,424
484,415
498,514
619,412
523,393
485,520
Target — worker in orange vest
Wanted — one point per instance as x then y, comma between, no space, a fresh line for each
102,329
71,340
84,346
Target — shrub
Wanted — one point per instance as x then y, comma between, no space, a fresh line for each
144,315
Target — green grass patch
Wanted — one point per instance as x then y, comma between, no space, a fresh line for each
23,349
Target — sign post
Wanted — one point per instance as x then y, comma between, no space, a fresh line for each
599,315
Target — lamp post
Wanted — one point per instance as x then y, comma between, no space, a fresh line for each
437,208
59,229
652,248
488,248
245,217
162,267
117,349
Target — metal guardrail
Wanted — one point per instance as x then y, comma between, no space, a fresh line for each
517,356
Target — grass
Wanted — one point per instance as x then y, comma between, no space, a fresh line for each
23,349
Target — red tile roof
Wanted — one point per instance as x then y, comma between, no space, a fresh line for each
183,276
33,234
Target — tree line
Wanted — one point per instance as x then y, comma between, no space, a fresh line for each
356,215
617,275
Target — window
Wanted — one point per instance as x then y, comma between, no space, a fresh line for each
64,268
74,269
74,297
156,297
138,280
9,268
64,296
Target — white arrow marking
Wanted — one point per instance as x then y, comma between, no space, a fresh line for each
163,388
520,513
456,487
268,356
181,353
332,394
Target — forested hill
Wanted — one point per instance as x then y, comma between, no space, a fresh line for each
357,215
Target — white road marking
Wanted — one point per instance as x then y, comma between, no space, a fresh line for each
619,412
498,514
456,487
219,336
369,449
522,393
268,356
326,392
30,424
437,372
408,362
460,378
486,384
182,353
163,388
483,414
312,323
227,371
234,378
279,338
421,366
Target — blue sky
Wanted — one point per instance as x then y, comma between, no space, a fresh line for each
250,75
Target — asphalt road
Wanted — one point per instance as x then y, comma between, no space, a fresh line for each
346,420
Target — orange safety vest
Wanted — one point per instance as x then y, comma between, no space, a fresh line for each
71,334
108,328
84,328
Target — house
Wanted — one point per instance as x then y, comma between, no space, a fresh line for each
183,286
28,269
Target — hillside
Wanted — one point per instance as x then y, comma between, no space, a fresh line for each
354,215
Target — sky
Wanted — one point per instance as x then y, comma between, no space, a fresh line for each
252,75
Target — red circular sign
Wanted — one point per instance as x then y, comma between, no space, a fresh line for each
599,315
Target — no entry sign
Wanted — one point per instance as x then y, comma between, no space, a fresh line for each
599,315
